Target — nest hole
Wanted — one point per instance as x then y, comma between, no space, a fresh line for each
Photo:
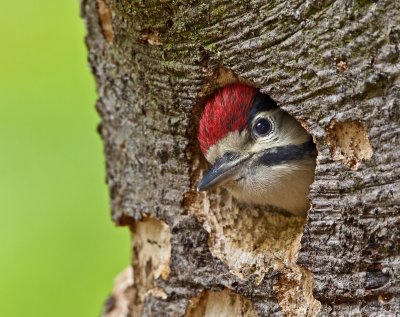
250,239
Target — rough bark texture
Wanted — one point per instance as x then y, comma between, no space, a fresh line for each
333,65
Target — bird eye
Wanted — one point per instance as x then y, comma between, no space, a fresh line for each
262,127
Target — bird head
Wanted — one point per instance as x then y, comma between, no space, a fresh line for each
260,153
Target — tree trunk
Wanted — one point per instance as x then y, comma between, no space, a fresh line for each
334,66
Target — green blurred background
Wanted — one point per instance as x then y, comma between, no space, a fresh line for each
59,251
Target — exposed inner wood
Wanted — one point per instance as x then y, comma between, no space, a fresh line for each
105,18
222,304
151,259
119,302
349,143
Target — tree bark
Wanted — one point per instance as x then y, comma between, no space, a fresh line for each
334,66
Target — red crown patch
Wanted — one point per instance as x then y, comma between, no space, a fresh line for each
225,112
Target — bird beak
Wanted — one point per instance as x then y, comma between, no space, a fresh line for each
225,168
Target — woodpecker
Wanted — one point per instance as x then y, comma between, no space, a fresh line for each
258,152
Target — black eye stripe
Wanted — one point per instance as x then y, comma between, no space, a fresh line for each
282,154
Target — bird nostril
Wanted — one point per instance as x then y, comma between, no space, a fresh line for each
230,156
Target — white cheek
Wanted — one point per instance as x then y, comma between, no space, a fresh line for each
285,186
